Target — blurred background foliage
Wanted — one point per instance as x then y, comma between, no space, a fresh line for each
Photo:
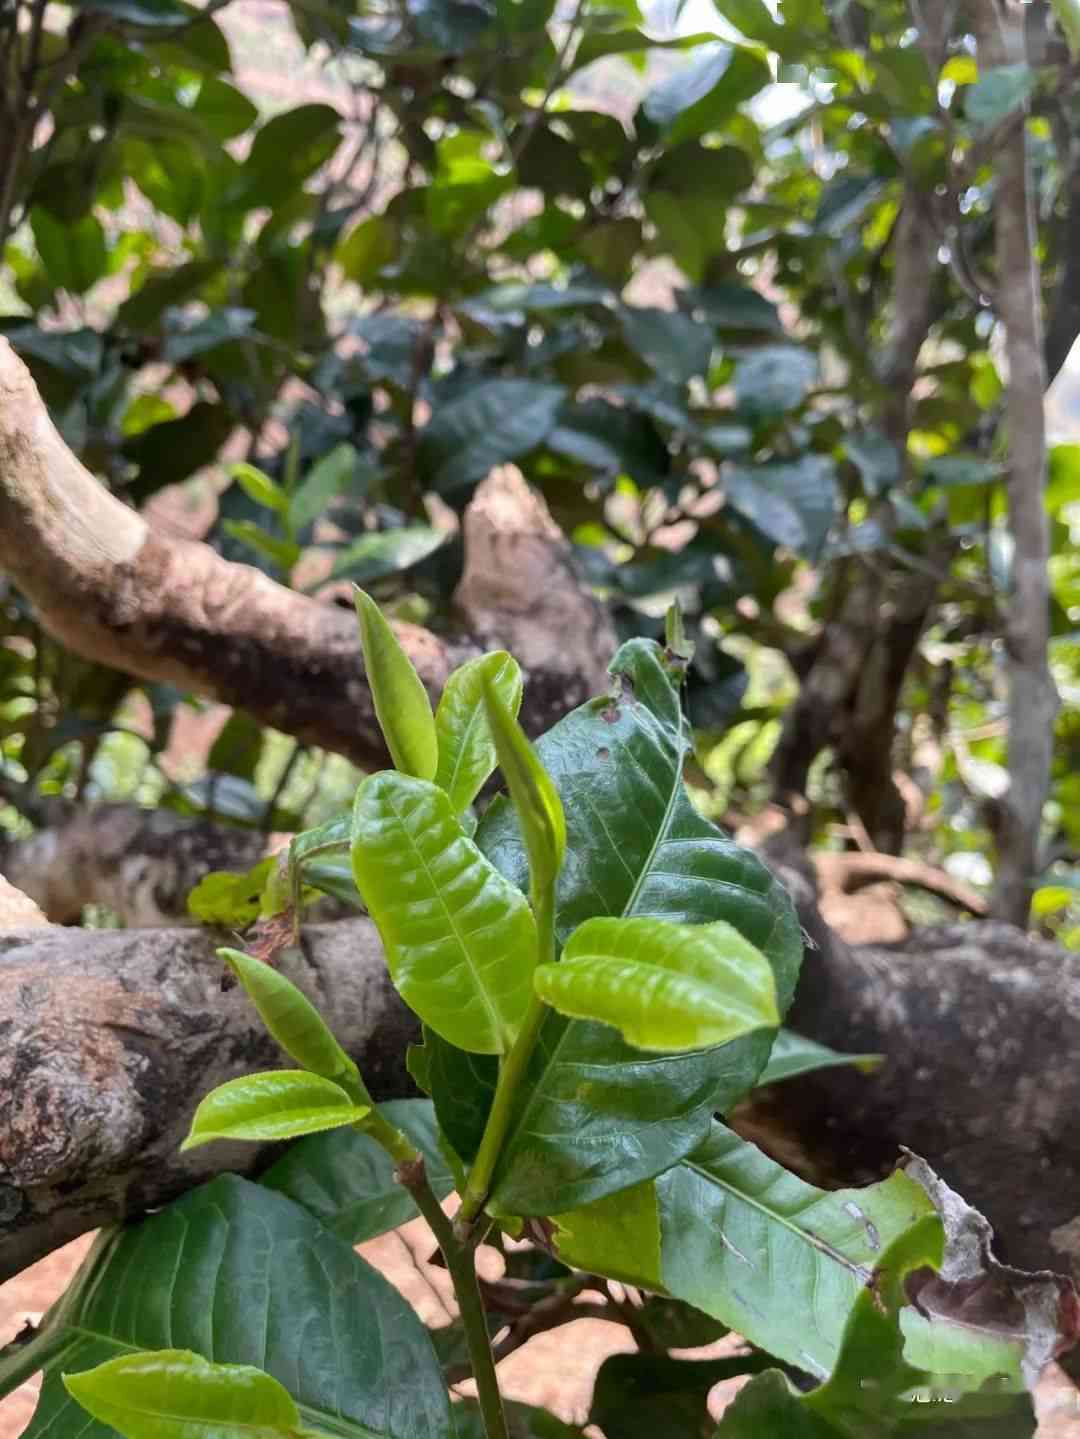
293,277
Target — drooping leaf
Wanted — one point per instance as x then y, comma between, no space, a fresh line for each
792,1055
258,486
466,749
401,701
385,553
277,1104
347,1181
286,150
460,939
666,987
635,846
774,1258
295,1023
241,1275
175,1394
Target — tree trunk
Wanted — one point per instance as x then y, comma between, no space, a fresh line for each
999,26
111,588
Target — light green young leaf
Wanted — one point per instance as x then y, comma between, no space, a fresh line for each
175,1394
401,701
277,1104
283,553
295,1023
665,987
466,749
258,486
460,939
535,798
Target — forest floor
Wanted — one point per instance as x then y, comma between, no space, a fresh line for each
554,1370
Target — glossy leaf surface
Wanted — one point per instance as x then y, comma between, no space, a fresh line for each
466,749
347,1181
635,846
295,1023
460,939
175,1394
663,986
241,1275
401,701
774,1258
278,1104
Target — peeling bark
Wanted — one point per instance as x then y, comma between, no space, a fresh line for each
111,588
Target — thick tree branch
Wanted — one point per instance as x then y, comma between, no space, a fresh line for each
999,29
111,1037
113,589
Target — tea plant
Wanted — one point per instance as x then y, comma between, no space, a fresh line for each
599,972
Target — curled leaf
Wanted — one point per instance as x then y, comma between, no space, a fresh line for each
666,987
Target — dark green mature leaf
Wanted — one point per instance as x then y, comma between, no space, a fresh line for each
367,248
466,749
773,379
670,343
705,92
385,553
522,1420
460,939
170,452
277,1104
734,307
663,986
876,459
223,109
771,1256
149,13
161,289
793,1055
241,1275
286,151
175,1394
792,503
347,1181
74,255
492,423
998,93
639,1394
636,846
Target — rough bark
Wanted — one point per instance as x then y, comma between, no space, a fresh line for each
980,1026
108,1040
999,28
113,589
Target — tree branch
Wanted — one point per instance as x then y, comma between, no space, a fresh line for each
113,589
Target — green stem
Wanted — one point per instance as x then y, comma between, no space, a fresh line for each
392,1140
462,1271
511,1075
